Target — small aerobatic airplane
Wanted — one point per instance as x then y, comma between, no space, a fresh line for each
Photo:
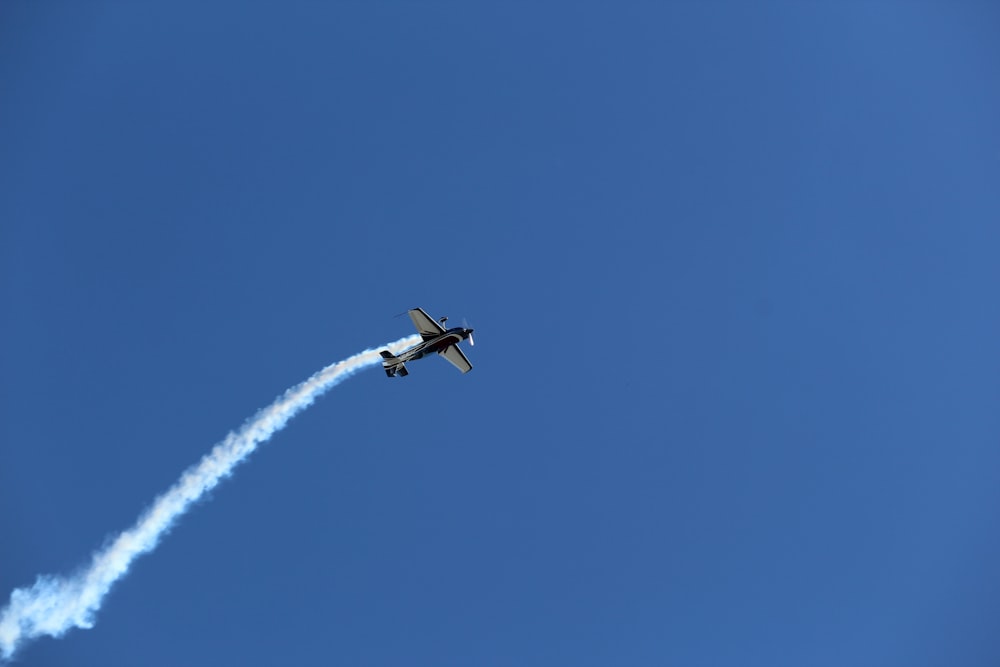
435,339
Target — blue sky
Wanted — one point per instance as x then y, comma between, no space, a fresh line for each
733,272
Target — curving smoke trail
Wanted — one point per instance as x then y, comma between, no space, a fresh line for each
55,604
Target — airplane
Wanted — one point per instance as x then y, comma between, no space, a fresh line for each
435,339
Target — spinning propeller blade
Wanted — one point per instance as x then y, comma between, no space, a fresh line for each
465,325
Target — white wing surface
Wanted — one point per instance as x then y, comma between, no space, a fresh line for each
453,354
425,324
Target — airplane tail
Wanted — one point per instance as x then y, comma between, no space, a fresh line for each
392,365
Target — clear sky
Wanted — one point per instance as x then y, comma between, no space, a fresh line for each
734,277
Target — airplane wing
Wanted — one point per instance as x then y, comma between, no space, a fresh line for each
425,324
457,359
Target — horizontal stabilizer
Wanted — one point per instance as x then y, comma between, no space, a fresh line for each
395,369
392,365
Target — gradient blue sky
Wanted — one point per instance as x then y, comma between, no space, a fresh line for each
733,271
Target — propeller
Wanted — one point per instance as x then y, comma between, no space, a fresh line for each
465,325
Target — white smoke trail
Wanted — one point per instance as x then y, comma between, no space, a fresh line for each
54,604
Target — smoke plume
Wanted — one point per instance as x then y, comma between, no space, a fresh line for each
55,604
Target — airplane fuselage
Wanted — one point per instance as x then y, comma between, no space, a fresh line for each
436,344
